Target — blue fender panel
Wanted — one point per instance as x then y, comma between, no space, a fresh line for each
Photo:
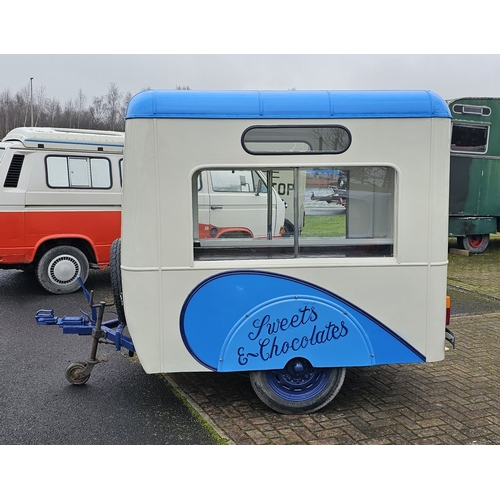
255,320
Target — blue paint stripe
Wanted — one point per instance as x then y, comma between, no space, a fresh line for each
41,141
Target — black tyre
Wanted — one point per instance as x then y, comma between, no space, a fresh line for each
58,269
474,243
289,228
116,278
74,373
299,388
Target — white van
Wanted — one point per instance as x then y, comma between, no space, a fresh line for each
60,202
233,204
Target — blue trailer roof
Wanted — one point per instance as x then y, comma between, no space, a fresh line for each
287,104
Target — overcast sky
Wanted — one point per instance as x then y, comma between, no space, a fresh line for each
265,44
63,75
225,44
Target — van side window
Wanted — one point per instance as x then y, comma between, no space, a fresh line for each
231,181
331,213
120,168
78,172
100,173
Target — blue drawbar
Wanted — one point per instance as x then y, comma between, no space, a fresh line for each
287,104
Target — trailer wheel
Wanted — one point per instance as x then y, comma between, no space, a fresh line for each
474,243
116,278
59,267
299,388
73,373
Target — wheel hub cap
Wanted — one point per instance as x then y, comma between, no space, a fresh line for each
298,381
64,269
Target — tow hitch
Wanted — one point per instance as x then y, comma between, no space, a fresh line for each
448,334
106,332
450,337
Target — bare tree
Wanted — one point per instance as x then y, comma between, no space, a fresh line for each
123,109
39,103
97,113
81,100
23,98
104,112
6,105
113,100
53,112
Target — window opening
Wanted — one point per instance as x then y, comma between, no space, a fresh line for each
332,213
469,138
296,140
120,168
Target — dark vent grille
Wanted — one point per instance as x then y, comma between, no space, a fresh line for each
14,172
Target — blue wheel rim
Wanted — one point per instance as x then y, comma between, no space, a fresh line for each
299,380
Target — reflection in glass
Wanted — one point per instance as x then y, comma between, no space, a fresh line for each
331,213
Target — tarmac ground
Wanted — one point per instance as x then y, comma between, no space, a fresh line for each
455,401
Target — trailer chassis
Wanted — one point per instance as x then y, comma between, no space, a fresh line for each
102,332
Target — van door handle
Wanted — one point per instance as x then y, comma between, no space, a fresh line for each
215,208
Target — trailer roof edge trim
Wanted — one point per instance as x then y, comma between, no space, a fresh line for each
235,104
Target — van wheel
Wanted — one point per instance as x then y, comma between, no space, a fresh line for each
59,267
116,278
474,243
289,228
299,388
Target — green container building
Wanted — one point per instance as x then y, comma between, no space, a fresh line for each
474,171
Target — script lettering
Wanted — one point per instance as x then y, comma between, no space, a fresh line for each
275,337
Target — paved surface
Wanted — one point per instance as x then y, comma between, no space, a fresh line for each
456,401
120,404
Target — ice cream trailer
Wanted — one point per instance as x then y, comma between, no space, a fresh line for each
347,285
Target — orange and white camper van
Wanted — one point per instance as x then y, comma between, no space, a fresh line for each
60,202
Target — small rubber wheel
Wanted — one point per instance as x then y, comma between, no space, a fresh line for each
116,279
59,267
299,388
73,373
474,243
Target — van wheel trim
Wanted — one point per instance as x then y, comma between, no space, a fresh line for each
59,267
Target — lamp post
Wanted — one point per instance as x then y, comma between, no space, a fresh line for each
31,99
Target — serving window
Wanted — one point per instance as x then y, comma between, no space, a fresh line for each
324,212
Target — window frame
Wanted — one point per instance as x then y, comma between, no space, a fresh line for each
212,249
471,125
294,153
89,159
471,109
